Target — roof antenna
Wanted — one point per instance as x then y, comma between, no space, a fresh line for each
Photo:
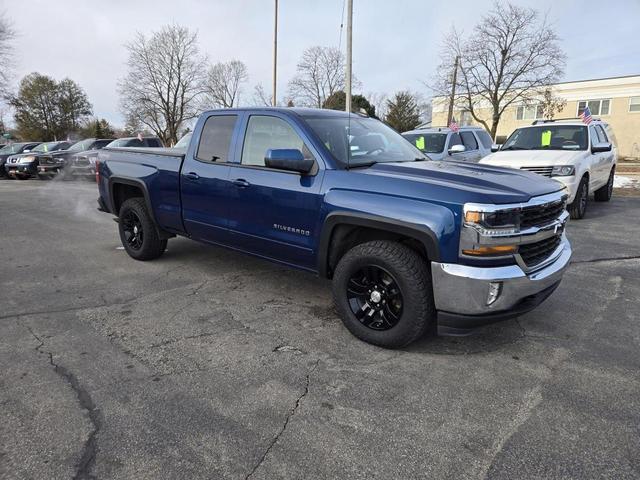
348,75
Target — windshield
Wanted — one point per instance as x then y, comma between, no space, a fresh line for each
46,147
184,141
369,141
81,146
427,142
548,137
13,148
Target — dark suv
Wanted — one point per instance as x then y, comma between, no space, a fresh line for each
13,149
25,165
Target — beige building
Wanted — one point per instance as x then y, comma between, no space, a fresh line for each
614,100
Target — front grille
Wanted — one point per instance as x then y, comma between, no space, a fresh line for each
544,171
81,162
535,253
539,215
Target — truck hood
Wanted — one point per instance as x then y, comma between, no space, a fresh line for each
532,158
470,182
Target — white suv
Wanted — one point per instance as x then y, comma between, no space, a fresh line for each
581,157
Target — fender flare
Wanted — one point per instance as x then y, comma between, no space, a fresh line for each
422,233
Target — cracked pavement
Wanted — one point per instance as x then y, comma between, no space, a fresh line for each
210,364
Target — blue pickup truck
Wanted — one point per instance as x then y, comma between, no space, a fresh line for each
411,245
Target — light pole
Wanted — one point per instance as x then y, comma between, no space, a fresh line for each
349,59
275,53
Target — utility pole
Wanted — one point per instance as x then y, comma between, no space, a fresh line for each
453,90
349,59
275,54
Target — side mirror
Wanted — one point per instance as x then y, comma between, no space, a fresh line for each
601,147
288,159
495,148
456,149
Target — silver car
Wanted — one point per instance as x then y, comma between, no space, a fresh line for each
469,144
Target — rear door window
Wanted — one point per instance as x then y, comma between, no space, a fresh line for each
485,138
454,139
469,141
215,138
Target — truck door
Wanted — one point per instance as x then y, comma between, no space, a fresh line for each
204,179
598,160
274,213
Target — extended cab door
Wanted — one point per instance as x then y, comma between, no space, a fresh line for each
599,160
274,213
204,179
472,150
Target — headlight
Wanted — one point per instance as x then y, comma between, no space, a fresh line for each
563,171
28,159
500,222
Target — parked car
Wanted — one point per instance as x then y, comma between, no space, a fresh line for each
82,164
144,142
25,165
410,244
57,162
581,157
13,149
469,144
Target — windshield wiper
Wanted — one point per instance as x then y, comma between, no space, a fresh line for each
515,147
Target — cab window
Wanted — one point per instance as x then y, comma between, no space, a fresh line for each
264,133
215,139
469,141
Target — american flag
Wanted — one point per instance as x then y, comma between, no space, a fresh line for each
454,126
586,116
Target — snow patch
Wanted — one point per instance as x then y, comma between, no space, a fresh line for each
620,181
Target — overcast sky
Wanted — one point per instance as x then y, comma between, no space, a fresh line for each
396,42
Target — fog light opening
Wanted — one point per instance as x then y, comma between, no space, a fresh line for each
495,289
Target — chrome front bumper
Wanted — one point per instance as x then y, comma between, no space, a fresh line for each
461,290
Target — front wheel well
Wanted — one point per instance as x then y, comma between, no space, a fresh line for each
345,237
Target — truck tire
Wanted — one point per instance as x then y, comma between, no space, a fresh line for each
578,208
138,232
383,293
604,193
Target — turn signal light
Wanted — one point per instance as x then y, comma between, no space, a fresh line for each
493,250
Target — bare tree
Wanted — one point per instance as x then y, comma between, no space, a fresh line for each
7,34
551,104
165,81
224,84
379,101
260,97
508,58
320,73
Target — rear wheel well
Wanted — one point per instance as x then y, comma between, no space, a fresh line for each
122,192
345,237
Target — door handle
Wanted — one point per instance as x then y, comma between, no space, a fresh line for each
192,176
241,183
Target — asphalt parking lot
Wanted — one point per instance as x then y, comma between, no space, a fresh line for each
211,364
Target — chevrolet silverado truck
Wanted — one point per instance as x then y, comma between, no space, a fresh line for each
411,245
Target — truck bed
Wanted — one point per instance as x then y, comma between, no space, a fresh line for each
156,171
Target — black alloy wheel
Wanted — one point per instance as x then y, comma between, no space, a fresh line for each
375,298
133,231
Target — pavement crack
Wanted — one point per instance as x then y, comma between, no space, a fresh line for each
607,259
290,415
88,457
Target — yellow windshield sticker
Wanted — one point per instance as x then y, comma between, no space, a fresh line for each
420,143
546,138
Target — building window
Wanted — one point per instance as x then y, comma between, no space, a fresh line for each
634,104
597,107
529,112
